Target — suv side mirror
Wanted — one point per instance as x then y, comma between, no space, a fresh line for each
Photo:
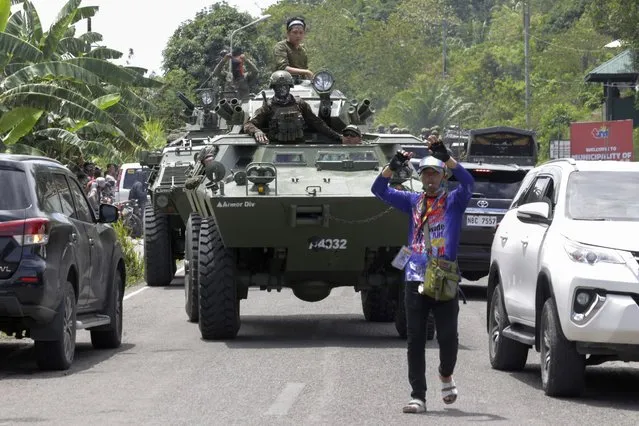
534,212
108,213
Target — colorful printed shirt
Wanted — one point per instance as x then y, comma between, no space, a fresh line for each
444,216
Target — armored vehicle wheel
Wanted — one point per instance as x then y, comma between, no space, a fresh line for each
377,305
159,264
191,266
218,300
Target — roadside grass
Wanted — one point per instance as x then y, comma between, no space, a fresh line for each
132,261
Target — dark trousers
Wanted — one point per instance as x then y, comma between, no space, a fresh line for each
417,309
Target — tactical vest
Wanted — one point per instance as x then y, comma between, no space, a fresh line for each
286,124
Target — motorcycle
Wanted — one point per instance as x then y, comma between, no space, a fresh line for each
131,217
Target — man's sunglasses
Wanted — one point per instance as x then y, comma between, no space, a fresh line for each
350,134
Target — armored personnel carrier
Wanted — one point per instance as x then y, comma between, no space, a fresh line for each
165,216
299,216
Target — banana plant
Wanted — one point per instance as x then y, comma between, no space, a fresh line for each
54,72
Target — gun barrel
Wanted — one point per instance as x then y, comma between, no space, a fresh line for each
238,115
222,112
353,116
190,105
224,104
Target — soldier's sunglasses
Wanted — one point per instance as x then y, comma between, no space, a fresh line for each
350,134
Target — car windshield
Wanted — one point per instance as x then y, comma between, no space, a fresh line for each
14,192
499,184
603,196
130,177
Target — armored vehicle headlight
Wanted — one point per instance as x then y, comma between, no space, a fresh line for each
323,81
162,201
260,174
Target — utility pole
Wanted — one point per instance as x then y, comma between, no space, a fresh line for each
444,33
527,58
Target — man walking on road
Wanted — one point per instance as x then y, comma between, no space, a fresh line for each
440,213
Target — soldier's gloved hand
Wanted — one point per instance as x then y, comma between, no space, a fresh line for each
260,137
438,149
399,159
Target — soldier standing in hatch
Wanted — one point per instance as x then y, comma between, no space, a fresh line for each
283,117
290,54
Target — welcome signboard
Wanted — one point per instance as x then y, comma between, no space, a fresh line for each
601,140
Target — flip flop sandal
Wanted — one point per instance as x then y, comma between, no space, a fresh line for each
449,392
415,406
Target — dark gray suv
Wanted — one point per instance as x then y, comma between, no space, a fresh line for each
61,265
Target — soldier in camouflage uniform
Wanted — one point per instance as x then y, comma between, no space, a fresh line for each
290,54
283,117
381,129
424,133
392,127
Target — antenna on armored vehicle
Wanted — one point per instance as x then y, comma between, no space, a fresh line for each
260,19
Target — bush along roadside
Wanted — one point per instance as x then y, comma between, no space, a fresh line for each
133,262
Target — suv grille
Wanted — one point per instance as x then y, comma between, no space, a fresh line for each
174,174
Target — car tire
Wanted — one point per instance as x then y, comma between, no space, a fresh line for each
505,354
160,266
219,305
59,354
377,305
562,367
111,336
192,238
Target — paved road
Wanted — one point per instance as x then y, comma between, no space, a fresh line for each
293,363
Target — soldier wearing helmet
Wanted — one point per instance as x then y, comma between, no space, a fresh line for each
283,118
425,133
435,221
381,129
290,54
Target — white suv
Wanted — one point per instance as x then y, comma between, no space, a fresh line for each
564,275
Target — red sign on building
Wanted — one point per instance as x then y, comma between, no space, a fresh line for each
601,140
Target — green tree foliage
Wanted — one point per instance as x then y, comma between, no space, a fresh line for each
59,91
391,53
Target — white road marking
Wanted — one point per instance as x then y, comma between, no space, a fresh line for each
128,296
285,399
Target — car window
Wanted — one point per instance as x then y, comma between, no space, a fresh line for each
538,190
497,184
14,196
66,200
82,206
523,190
603,195
47,192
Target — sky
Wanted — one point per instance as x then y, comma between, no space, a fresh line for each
142,25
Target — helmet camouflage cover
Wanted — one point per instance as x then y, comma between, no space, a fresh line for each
281,77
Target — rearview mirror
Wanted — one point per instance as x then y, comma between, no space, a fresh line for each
108,213
534,212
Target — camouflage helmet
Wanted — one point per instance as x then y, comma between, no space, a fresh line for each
281,77
425,130
395,130
393,125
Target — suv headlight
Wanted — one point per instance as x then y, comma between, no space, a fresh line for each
590,255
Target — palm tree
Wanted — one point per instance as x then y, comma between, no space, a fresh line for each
426,104
58,87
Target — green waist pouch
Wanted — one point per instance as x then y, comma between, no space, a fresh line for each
441,280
